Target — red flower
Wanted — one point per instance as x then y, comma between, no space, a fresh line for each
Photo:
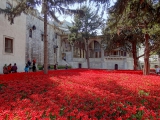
80,94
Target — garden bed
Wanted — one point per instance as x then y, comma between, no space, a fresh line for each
80,94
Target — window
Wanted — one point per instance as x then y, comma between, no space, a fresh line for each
115,53
54,50
96,56
30,33
121,53
97,47
42,37
8,45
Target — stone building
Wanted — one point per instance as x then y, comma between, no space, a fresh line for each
154,60
12,39
26,36
98,57
35,40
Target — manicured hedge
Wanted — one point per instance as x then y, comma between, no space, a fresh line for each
40,67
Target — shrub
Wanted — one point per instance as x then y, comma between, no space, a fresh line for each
63,67
40,67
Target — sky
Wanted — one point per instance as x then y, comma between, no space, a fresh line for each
70,18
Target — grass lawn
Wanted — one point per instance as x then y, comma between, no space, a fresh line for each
80,94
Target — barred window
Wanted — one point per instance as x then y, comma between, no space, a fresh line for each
30,33
8,45
42,37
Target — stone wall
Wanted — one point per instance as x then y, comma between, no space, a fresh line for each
35,44
101,61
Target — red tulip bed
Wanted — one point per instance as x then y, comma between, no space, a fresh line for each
80,94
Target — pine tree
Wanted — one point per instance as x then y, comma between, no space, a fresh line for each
134,21
85,27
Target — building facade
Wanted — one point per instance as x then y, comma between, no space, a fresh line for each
75,55
24,40
12,39
154,60
35,40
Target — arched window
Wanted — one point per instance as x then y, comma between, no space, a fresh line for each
116,66
94,49
97,47
30,33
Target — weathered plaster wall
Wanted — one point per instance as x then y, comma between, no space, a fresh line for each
17,32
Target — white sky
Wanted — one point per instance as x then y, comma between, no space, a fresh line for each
70,18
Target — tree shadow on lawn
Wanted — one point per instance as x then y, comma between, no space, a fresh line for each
73,72
29,90
145,93
28,93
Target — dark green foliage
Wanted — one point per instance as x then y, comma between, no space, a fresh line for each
86,26
63,67
21,7
40,67
128,22
24,6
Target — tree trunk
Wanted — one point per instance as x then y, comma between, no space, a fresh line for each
45,39
87,54
146,55
80,50
72,50
134,51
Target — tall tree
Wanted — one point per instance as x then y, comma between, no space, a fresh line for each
133,16
126,40
49,8
85,27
